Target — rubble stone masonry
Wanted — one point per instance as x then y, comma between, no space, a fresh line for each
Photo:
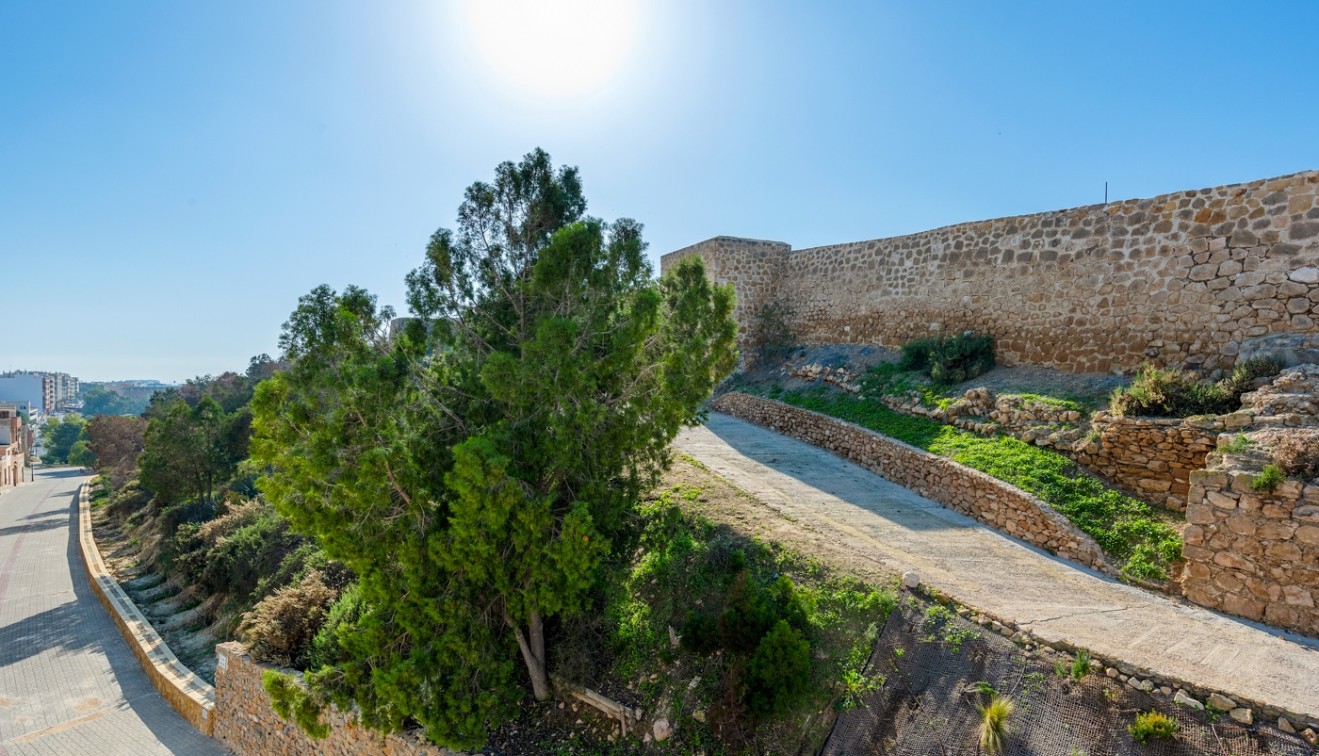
1179,279
246,724
1252,553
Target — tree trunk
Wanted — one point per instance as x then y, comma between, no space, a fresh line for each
532,644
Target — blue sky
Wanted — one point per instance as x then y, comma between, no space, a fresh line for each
173,176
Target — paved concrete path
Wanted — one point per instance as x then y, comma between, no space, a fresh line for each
68,682
1055,599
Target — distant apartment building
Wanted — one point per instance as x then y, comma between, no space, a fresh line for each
39,390
13,446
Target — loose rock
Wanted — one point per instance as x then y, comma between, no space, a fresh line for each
1184,700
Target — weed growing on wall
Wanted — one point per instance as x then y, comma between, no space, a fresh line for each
772,335
1172,392
1128,529
1297,455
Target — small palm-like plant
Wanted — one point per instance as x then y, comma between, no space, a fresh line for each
994,727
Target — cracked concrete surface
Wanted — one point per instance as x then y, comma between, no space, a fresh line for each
1058,601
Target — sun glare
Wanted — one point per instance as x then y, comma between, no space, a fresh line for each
553,48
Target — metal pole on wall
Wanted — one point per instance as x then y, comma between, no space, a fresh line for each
1105,192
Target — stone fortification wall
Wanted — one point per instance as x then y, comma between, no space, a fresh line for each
1252,553
754,268
246,724
953,485
1180,279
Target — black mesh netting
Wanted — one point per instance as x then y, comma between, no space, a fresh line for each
929,703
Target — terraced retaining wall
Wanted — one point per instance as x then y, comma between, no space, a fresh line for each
1251,553
1153,458
191,696
1180,279
246,724
953,485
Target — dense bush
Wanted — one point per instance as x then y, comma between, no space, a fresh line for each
174,516
1171,392
949,359
280,628
779,672
238,561
128,500
342,616
754,609
1297,455
917,352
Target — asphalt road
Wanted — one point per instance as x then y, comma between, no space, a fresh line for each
68,682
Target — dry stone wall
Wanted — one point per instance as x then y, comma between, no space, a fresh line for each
953,485
1180,279
1252,553
1151,457
246,724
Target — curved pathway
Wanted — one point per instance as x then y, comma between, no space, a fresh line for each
68,682
1056,600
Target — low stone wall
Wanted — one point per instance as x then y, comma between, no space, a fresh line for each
1151,457
192,697
953,485
246,724
1252,553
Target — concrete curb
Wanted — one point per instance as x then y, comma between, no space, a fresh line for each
191,696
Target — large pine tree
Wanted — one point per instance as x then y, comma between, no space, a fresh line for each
476,466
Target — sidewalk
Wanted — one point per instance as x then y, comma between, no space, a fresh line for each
1053,599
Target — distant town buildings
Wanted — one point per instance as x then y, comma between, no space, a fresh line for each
39,390
15,442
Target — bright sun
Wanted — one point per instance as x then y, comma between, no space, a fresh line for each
553,48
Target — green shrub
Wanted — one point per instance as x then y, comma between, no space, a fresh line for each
945,359
1172,392
961,358
174,516
779,671
240,560
128,500
1080,665
916,353
1152,724
344,613
753,610
1268,478
700,633
292,701
1237,445
1245,373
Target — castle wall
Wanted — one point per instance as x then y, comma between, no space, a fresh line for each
1179,279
